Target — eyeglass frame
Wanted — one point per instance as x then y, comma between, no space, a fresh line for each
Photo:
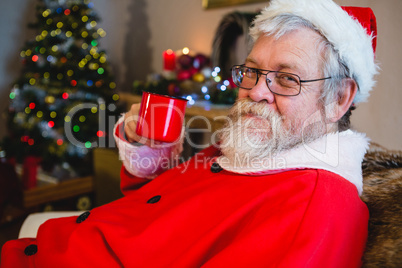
260,72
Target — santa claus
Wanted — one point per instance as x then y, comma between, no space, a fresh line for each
280,189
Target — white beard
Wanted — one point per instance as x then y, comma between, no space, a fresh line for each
256,132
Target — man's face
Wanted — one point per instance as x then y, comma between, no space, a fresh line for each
263,123
295,52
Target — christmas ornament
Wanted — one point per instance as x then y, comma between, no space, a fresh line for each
199,77
200,61
183,75
30,170
185,62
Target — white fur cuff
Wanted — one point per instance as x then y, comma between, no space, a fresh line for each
143,161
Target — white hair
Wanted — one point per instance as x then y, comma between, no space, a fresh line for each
347,49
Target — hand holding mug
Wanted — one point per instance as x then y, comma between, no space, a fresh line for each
130,123
158,119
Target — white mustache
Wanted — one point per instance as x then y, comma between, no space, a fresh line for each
248,107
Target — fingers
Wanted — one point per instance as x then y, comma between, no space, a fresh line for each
130,126
130,123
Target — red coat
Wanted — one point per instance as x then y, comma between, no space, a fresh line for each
196,217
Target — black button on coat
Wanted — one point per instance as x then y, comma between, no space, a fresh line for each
31,250
83,217
215,168
154,199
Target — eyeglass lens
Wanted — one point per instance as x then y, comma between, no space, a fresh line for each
278,82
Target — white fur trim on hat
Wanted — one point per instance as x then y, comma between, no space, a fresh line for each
347,35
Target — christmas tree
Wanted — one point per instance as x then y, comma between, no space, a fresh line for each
59,104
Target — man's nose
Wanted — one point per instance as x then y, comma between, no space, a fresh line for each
261,92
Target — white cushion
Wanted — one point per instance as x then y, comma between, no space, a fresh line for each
31,224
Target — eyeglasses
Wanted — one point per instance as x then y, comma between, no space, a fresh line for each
280,83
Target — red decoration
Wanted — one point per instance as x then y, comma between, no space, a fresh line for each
200,61
50,124
73,83
12,161
65,95
67,12
30,170
232,84
32,106
171,89
185,61
193,71
35,58
169,60
183,75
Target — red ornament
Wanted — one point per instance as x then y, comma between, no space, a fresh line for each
171,87
35,58
12,161
185,61
183,75
65,95
29,173
173,90
50,124
32,106
98,83
73,83
67,12
200,61
193,71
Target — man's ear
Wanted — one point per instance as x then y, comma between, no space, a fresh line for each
345,99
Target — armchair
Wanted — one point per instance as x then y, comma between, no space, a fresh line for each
382,193
382,184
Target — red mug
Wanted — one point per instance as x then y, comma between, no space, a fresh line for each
161,117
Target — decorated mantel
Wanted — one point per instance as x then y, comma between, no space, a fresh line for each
190,75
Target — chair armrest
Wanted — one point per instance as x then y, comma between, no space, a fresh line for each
31,224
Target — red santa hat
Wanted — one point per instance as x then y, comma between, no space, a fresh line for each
351,30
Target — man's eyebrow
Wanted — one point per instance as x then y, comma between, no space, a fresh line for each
293,67
287,66
250,60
